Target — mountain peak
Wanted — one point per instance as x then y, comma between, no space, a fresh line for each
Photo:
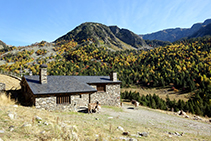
112,36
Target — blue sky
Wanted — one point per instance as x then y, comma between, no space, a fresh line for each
23,22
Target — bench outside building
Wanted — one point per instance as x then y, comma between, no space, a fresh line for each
64,92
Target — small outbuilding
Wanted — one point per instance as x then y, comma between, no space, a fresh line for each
64,92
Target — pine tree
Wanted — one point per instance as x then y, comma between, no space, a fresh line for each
153,104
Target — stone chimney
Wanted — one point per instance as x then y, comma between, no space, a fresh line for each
113,76
43,74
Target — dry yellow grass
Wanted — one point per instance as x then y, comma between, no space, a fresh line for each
76,126
161,92
5,100
11,83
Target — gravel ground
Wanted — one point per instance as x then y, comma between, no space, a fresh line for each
162,121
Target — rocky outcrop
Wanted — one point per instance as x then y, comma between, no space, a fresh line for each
128,37
203,31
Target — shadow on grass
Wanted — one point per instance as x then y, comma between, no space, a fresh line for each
17,96
130,108
83,110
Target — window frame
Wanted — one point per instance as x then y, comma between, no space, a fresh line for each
63,99
101,87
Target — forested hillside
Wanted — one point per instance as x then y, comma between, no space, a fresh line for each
185,66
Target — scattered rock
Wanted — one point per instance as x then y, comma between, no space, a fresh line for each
12,115
11,128
38,118
178,112
126,139
15,106
175,134
187,116
125,133
132,139
26,125
120,128
145,134
182,113
1,131
110,117
42,132
134,135
74,128
96,135
45,123
75,136
197,118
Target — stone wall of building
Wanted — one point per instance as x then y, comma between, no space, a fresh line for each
110,97
47,103
80,100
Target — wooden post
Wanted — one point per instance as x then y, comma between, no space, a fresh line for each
89,98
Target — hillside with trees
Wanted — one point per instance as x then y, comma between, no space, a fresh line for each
183,66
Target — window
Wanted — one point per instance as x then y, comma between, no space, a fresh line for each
63,99
101,87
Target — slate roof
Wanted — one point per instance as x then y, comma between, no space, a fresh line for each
66,84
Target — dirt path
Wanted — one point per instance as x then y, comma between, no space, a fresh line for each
162,121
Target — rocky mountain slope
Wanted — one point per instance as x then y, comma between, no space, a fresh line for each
112,36
177,33
203,31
